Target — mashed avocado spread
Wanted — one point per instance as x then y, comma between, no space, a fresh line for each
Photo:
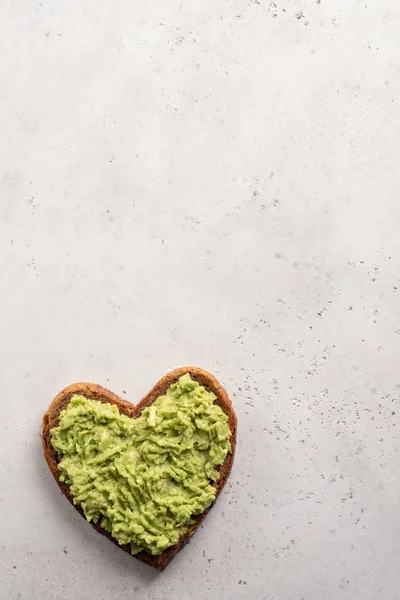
143,479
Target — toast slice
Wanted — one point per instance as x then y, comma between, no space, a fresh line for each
96,392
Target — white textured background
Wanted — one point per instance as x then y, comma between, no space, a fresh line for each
209,183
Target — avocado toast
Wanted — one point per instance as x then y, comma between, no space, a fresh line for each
148,484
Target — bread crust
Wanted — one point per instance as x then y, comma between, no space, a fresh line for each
96,392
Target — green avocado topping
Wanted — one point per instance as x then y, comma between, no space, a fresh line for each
144,479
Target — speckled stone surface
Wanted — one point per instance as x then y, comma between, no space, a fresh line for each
213,184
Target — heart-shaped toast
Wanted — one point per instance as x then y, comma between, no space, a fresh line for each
89,392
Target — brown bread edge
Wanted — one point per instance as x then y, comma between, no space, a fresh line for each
96,392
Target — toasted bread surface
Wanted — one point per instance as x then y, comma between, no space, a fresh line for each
96,392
